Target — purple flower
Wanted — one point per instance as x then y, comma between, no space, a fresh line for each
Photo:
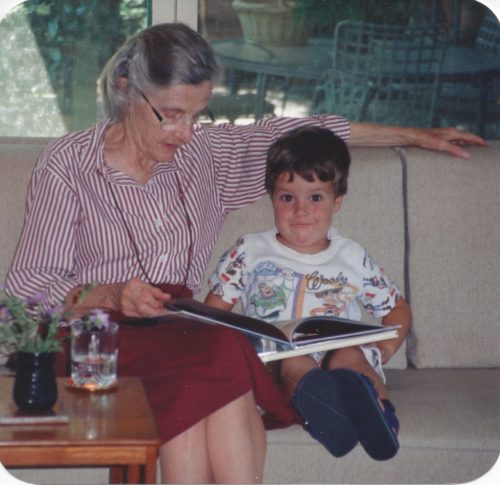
56,311
36,299
99,319
5,315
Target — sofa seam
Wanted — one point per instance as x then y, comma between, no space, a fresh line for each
401,152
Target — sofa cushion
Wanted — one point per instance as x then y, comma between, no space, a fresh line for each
372,214
449,434
454,213
17,159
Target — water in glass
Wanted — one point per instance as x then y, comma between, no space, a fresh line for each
93,356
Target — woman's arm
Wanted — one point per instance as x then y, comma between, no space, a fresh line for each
44,260
238,153
448,140
43,263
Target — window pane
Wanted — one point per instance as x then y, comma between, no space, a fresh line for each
302,59
52,54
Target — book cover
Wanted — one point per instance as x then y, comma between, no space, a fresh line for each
304,336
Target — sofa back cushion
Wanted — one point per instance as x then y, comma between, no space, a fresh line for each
17,159
454,214
372,214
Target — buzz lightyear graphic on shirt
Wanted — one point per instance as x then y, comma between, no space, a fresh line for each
270,289
268,302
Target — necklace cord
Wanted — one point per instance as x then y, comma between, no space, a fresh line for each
130,236
134,244
189,228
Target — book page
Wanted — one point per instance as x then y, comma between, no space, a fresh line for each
317,329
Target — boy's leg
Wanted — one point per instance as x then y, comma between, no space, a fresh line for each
366,401
354,358
294,369
316,399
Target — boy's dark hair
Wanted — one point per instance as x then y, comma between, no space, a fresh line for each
309,151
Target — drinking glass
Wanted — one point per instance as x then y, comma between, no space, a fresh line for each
94,355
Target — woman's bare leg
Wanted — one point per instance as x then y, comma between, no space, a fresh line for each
237,442
184,459
229,446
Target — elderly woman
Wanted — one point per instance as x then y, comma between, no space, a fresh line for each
137,202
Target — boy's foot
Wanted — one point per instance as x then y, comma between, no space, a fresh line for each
376,420
318,402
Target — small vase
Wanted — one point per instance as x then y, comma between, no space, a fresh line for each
35,386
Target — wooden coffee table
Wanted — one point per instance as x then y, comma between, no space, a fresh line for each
112,429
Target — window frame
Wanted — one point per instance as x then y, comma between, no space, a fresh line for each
175,10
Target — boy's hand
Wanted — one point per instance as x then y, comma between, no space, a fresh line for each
216,301
399,315
387,349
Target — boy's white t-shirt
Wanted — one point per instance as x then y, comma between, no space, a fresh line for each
276,283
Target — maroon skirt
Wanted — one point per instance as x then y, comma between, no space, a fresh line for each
191,369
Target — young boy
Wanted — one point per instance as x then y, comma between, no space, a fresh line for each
304,267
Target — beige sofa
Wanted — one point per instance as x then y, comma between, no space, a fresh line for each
433,221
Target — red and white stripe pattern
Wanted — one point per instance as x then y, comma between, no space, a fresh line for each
74,233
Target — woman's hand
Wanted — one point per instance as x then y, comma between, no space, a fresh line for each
140,299
133,298
448,140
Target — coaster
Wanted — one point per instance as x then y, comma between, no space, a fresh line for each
70,384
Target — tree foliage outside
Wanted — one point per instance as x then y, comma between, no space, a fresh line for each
325,14
53,52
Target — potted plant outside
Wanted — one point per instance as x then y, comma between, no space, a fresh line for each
272,22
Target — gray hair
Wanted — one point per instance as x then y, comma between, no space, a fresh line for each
156,57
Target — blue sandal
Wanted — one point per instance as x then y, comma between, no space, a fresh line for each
377,427
318,402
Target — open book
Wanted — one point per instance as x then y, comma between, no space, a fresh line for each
304,336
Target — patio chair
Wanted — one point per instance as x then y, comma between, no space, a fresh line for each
488,37
383,73
470,104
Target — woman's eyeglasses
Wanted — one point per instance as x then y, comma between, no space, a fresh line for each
176,120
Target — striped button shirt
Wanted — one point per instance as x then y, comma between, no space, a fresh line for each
83,217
